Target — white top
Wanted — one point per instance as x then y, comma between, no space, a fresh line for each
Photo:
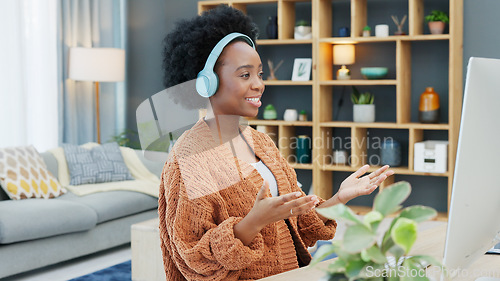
266,174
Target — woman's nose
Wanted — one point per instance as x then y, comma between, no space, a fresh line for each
258,84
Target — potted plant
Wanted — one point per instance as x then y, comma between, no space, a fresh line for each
437,21
363,107
366,31
302,30
361,256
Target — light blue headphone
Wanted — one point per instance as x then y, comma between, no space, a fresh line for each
207,81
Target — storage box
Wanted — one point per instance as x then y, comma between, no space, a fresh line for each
431,156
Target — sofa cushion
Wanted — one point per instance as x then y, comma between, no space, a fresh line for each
23,174
51,163
29,219
103,163
115,204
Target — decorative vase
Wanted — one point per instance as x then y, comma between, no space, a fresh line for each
364,113
340,157
381,30
436,27
270,113
303,151
272,28
344,32
428,110
390,153
290,115
302,32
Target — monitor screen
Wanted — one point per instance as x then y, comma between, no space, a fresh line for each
474,219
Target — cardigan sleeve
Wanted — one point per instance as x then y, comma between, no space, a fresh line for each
310,226
202,248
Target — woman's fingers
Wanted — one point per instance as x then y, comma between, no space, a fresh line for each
263,190
378,172
361,171
301,205
289,197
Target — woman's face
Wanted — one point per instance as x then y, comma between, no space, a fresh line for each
240,81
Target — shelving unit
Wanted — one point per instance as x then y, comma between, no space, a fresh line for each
323,83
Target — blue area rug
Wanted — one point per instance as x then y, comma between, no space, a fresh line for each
119,272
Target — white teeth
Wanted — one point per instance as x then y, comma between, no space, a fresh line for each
252,99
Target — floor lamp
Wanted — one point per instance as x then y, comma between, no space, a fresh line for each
97,65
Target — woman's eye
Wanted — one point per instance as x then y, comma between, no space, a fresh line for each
245,75
261,74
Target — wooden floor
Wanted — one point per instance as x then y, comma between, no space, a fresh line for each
77,267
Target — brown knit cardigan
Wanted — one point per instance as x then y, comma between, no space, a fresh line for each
205,191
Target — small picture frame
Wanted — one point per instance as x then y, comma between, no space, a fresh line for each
302,69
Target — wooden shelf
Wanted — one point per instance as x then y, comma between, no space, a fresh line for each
385,125
373,39
358,82
302,166
397,170
287,83
283,42
281,123
321,46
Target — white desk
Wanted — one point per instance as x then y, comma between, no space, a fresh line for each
429,242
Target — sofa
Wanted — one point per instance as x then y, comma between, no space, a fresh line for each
39,232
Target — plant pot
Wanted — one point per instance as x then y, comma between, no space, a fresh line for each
302,32
364,113
436,27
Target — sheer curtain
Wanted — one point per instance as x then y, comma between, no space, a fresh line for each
29,74
91,24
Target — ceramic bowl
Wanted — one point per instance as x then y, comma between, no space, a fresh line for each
374,72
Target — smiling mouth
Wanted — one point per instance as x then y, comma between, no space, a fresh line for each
254,101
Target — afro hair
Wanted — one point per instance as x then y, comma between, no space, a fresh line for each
187,47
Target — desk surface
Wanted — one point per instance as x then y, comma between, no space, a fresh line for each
429,242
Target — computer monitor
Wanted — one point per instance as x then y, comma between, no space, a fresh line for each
474,218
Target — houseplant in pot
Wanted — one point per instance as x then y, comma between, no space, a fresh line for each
363,107
437,21
302,30
362,256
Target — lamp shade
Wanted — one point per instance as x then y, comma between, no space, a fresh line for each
97,64
343,54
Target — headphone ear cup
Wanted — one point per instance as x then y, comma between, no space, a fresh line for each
203,84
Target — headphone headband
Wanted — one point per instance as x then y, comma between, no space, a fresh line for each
207,81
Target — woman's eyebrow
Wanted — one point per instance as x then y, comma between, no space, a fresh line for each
247,66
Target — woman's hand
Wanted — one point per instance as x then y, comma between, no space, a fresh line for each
355,185
267,210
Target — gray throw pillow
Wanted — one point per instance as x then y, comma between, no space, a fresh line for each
102,163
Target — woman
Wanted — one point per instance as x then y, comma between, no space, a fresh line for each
229,206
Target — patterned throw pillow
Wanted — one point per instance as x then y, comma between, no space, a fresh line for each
23,174
102,163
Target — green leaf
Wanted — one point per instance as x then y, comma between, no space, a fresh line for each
375,254
357,238
339,211
323,252
390,198
418,213
397,252
353,268
337,266
372,218
372,271
404,233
